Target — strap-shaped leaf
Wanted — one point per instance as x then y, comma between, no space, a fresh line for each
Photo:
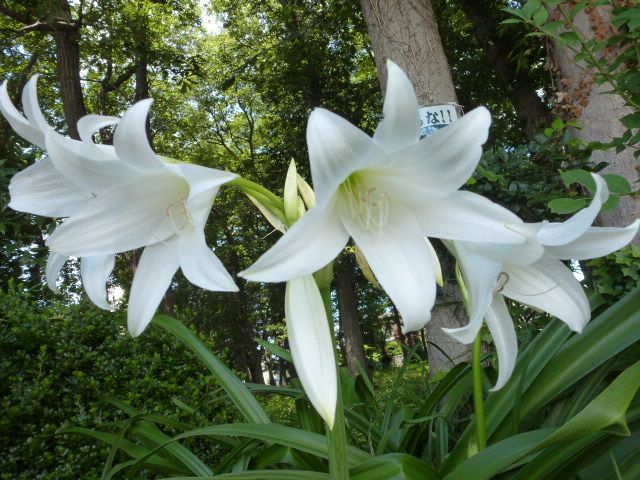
237,391
607,411
263,474
397,466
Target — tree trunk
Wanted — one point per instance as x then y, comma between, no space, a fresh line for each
68,53
406,32
598,112
247,346
349,318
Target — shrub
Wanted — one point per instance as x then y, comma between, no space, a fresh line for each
58,363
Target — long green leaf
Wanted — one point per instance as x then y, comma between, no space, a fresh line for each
237,391
128,447
599,465
606,411
264,475
185,456
148,430
309,442
499,404
499,456
277,350
396,466
606,336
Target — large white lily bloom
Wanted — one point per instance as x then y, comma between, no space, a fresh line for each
533,274
45,189
161,206
310,340
387,193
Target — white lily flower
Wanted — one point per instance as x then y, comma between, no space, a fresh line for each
387,193
310,340
46,189
533,274
160,206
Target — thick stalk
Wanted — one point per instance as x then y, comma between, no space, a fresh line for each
478,396
338,466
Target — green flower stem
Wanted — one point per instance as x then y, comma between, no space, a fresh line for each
478,398
264,195
338,465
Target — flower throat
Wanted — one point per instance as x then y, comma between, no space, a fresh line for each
370,207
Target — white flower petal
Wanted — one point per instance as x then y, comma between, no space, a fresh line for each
504,337
481,275
311,345
41,190
17,121
310,244
517,254
55,262
124,218
70,158
94,272
469,217
90,124
204,184
596,242
401,123
550,286
130,140
555,234
336,150
401,261
158,264
31,106
201,266
201,179
436,165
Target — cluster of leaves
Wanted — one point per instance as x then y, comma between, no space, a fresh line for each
523,178
614,275
614,58
58,367
569,411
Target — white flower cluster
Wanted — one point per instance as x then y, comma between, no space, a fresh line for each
389,192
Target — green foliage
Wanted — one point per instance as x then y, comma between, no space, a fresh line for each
613,59
58,365
616,274
523,178
571,400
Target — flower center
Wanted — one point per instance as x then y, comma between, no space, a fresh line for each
369,206
180,216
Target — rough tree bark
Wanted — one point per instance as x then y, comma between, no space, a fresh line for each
597,112
406,32
246,347
349,318
66,32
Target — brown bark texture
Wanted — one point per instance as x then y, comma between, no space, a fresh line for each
66,34
406,32
598,112
349,317
68,53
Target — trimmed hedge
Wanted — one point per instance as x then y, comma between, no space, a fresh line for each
57,362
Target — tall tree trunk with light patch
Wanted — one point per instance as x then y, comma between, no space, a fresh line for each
597,111
406,32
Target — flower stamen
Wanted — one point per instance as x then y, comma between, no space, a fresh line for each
370,208
180,216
